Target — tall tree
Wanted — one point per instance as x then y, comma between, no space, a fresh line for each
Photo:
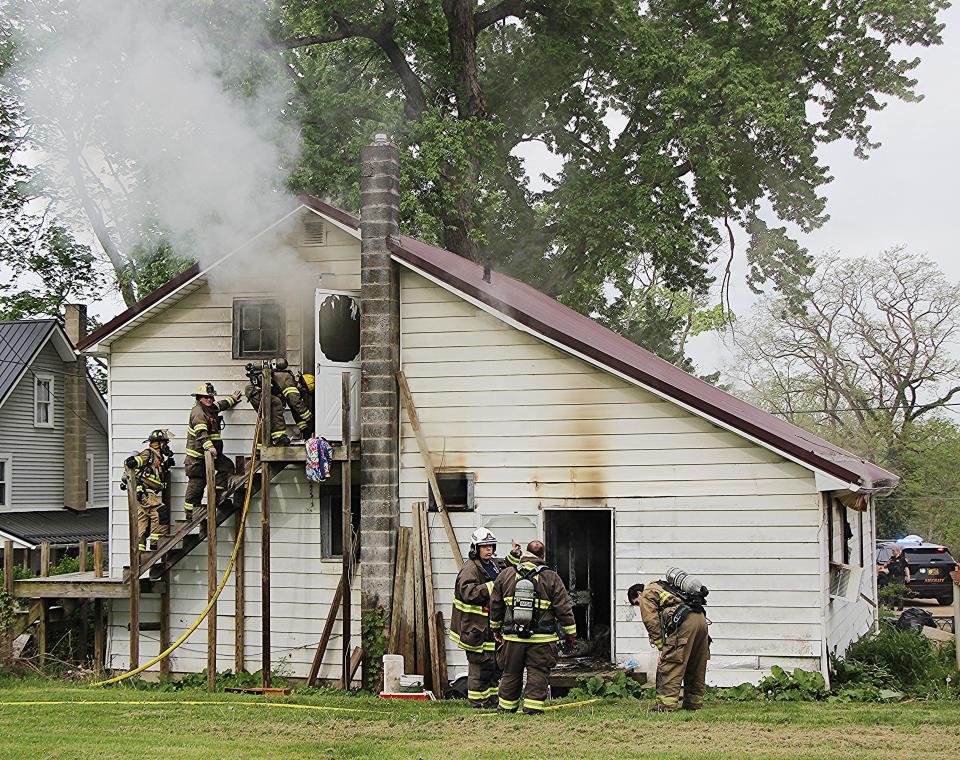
676,122
866,361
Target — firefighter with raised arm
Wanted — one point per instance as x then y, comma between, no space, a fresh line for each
470,620
285,388
528,603
673,613
254,393
150,469
204,433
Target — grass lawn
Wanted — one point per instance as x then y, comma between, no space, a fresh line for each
160,724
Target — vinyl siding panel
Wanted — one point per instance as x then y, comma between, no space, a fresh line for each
98,449
153,370
542,429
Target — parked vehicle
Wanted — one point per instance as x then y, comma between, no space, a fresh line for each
930,567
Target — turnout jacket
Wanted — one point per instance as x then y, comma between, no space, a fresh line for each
286,385
658,602
470,620
205,427
148,465
553,606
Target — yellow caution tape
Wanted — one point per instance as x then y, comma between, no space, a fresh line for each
178,703
223,582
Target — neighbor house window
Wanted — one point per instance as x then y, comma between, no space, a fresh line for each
258,329
6,480
331,520
43,401
89,479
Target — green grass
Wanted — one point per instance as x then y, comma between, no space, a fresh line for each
160,724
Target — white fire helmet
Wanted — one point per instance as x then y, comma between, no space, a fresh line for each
482,537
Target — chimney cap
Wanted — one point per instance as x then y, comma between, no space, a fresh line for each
381,137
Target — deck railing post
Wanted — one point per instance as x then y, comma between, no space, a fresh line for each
211,570
134,538
347,523
7,638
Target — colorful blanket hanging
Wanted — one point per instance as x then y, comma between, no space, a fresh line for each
319,459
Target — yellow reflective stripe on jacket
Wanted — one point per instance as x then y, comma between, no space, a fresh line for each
291,389
476,609
193,453
489,585
197,428
513,559
570,630
541,604
496,623
486,646
533,638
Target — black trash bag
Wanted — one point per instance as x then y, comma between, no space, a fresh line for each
913,619
458,687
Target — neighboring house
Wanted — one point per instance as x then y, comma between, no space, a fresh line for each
46,478
542,423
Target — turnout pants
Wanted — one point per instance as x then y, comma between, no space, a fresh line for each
195,471
278,425
482,677
153,518
683,662
538,659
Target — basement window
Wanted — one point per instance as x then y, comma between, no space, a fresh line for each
456,488
258,328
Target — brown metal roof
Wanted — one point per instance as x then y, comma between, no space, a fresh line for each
571,329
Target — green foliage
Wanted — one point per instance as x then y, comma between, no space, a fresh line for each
198,682
618,687
373,635
798,686
892,592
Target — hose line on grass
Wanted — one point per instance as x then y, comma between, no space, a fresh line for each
223,581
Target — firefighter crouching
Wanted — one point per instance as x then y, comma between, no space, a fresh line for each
673,613
254,394
470,620
286,388
204,434
527,604
150,468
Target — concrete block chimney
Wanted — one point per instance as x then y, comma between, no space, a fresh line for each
75,413
379,362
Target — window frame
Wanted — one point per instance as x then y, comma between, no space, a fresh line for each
40,377
89,480
237,328
328,497
450,475
7,480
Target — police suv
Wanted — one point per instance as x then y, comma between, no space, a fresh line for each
930,567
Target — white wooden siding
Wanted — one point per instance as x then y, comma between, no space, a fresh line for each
97,448
153,370
542,429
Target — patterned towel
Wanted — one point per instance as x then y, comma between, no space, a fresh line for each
319,459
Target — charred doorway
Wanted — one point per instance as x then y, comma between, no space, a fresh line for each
579,549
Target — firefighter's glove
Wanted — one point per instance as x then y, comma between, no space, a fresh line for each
130,462
208,446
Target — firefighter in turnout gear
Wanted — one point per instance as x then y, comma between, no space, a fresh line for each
677,626
204,434
470,620
278,426
150,467
291,392
527,605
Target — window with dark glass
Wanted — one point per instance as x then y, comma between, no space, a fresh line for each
331,520
258,329
456,488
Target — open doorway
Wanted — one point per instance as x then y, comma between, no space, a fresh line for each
579,549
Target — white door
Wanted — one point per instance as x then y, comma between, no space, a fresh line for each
337,328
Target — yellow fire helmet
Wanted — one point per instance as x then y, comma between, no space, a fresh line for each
205,389
310,382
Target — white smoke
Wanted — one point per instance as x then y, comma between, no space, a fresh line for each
140,99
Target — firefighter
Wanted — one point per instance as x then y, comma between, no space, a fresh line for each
278,426
470,620
292,393
203,434
151,467
527,604
677,627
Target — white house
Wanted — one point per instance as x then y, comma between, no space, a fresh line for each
542,422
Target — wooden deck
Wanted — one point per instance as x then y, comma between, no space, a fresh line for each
299,453
80,586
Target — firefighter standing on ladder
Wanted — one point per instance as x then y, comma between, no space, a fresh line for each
204,434
470,621
527,604
151,467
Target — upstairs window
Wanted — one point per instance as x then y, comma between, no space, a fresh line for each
258,329
6,477
43,401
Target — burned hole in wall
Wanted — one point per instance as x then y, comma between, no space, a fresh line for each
456,488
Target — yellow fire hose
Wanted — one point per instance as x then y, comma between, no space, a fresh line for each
223,582
180,702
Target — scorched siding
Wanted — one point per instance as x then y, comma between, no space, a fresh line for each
544,429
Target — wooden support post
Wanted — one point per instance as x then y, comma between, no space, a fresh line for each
211,570
441,646
42,632
421,649
82,556
134,538
98,635
428,466
165,625
399,579
266,474
7,654
347,525
355,659
83,614
44,559
325,636
239,611
408,627
98,559
431,610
